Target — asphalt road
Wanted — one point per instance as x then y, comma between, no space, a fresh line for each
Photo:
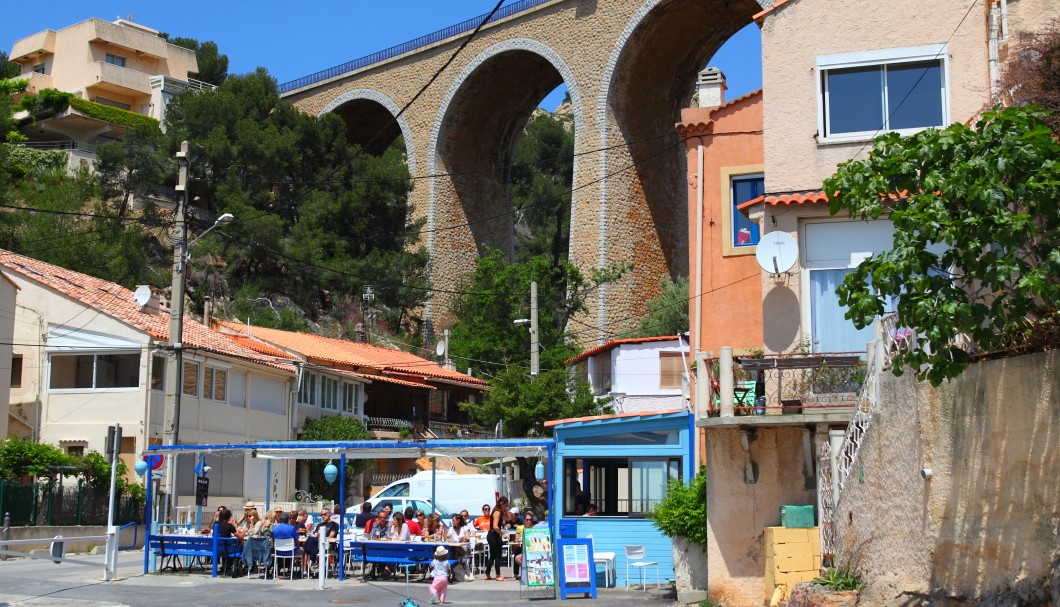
37,583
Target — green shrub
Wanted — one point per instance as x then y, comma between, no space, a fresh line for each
112,115
683,512
840,578
32,160
51,101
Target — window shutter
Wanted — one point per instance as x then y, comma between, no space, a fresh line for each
670,369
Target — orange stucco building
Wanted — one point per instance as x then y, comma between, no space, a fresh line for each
724,151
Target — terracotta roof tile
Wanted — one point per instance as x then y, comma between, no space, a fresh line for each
356,354
614,343
812,197
116,301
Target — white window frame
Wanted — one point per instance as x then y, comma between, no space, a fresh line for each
307,392
95,354
912,54
329,393
350,402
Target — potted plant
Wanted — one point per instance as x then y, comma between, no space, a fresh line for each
682,516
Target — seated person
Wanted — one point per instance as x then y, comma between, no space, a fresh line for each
399,529
484,522
435,529
325,530
592,511
377,527
410,519
459,531
364,517
284,530
226,529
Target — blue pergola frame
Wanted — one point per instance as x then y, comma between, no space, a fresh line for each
367,449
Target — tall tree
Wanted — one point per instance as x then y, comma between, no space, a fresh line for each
8,68
213,65
306,200
486,338
542,175
976,236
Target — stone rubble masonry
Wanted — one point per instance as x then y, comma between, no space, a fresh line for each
629,65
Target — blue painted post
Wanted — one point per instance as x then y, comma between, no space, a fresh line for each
148,561
342,515
268,485
216,551
198,509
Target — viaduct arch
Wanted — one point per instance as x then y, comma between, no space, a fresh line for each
629,66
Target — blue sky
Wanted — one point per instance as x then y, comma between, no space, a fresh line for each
293,39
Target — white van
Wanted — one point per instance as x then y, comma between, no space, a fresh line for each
452,491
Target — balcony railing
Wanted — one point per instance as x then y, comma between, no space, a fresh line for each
407,47
387,423
823,382
448,430
68,145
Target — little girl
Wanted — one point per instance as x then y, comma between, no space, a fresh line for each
440,573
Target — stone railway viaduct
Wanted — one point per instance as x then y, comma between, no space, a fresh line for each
629,66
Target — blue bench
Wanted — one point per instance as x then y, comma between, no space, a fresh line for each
403,555
194,548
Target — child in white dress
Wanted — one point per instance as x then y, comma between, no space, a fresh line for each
440,573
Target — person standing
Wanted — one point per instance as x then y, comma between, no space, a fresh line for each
440,575
498,519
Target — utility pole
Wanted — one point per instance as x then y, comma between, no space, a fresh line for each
174,364
535,363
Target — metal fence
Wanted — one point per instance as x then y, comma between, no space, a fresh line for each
790,383
51,503
407,47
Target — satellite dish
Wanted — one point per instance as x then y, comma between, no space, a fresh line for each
440,348
142,295
777,252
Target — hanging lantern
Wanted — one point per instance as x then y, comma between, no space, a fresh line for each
539,470
141,467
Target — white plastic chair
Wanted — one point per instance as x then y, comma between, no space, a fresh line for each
636,557
286,545
608,559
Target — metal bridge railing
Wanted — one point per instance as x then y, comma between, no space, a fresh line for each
407,47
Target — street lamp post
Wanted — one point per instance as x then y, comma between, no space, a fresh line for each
175,363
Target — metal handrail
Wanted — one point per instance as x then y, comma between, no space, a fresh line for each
136,535
412,45
68,144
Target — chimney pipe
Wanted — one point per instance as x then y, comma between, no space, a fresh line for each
711,87
207,311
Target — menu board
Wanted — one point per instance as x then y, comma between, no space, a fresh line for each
576,569
537,557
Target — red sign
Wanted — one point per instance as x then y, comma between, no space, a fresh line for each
154,462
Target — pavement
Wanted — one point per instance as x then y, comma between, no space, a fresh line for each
37,583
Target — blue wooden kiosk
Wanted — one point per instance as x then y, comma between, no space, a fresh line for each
621,465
